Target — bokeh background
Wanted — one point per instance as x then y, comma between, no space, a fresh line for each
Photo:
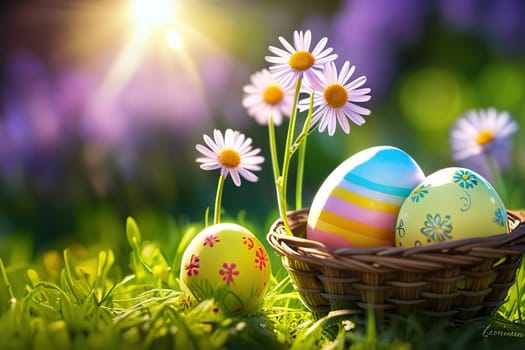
99,117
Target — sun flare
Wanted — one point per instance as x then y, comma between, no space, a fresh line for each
148,14
173,39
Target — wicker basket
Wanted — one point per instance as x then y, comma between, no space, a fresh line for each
458,281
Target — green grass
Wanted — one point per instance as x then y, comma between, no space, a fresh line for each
89,298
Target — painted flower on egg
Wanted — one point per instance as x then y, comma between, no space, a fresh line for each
465,179
500,217
419,193
437,228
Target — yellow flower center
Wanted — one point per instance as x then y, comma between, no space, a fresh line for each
273,94
484,137
229,158
301,60
335,95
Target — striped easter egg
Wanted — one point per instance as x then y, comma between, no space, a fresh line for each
358,203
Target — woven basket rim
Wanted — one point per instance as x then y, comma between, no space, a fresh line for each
499,244
459,280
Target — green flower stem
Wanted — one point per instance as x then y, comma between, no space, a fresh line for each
498,180
300,173
282,181
5,282
301,140
218,200
273,148
306,128
276,173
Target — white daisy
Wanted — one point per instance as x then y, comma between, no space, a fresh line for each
298,60
232,153
478,134
264,97
334,98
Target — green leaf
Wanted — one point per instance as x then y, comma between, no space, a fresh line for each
68,277
33,277
106,259
6,292
133,234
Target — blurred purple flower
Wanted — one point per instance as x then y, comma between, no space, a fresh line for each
155,97
48,109
29,96
222,78
29,122
501,23
460,14
16,147
368,33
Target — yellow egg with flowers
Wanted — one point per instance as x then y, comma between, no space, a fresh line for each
228,263
450,204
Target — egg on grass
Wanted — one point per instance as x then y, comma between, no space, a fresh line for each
228,263
450,204
358,203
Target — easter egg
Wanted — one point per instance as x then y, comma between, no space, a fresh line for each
226,262
358,203
450,204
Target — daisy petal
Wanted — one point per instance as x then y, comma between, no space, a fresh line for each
235,177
